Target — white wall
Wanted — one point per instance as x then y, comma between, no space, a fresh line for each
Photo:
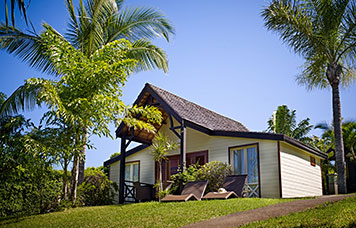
299,177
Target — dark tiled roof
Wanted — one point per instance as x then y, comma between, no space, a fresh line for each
197,114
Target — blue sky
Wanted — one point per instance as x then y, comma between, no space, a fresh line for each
222,58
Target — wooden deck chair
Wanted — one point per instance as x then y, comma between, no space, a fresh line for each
191,191
234,186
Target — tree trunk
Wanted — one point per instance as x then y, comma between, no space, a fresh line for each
65,180
82,159
74,181
160,180
339,145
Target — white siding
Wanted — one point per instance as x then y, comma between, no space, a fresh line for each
146,167
299,177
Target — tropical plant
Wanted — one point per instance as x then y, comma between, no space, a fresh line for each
96,189
182,177
349,137
283,121
323,33
87,97
215,173
94,25
160,147
28,183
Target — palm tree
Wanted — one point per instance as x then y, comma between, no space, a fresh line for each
283,121
322,32
95,24
349,139
348,133
87,96
160,147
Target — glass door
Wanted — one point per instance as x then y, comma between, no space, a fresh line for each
245,161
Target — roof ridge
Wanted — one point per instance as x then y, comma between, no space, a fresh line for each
197,105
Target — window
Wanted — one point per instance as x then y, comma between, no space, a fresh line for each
244,160
132,171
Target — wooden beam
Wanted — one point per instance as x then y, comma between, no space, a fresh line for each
173,128
122,171
183,152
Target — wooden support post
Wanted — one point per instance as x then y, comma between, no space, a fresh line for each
182,146
122,171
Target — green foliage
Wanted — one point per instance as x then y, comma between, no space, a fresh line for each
283,121
114,155
214,172
181,178
95,24
321,32
29,185
348,134
161,146
96,189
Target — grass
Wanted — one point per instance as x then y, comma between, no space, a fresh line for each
338,214
152,214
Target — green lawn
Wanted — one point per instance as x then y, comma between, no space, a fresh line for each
339,214
151,214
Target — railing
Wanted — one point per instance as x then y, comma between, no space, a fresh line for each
252,190
145,192
129,191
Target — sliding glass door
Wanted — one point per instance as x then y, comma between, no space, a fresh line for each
245,161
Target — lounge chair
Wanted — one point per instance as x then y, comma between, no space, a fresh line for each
233,185
191,191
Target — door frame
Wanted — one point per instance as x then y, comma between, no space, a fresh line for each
258,160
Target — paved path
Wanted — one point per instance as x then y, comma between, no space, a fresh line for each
263,213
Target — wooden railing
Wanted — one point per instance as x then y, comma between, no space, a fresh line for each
129,191
251,190
131,194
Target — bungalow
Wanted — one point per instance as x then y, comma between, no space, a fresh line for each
277,165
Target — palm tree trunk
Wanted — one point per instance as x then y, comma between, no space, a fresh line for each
339,145
65,180
82,159
74,181
160,179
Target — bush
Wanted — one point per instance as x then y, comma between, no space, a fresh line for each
215,173
96,189
181,178
30,194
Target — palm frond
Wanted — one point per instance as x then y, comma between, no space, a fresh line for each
148,56
293,22
28,47
73,32
140,23
23,99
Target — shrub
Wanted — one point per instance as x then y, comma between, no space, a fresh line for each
215,173
189,174
30,194
96,189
